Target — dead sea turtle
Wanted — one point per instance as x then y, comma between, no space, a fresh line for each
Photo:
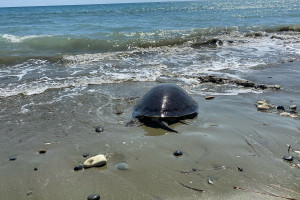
163,105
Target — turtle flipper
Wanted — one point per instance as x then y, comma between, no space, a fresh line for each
165,125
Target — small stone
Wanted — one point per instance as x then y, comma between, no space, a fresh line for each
263,107
280,108
85,155
177,153
288,158
95,161
285,114
210,181
194,169
122,166
209,97
35,169
298,152
13,158
29,193
240,169
93,197
99,129
78,167
293,107
261,102
293,115
277,87
42,151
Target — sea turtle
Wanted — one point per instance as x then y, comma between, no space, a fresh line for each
163,105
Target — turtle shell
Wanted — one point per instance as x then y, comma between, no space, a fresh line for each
165,100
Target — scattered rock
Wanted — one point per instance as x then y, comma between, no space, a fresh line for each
99,129
280,108
263,105
285,114
209,97
13,158
35,169
288,158
93,197
293,107
85,155
177,153
42,151
78,167
122,166
240,169
238,82
29,193
95,161
210,181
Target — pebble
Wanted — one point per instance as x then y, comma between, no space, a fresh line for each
85,155
210,181
288,158
293,115
285,114
280,108
122,166
78,167
99,129
93,197
29,193
209,97
263,107
240,169
42,151
95,161
293,107
177,153
35,169
13,158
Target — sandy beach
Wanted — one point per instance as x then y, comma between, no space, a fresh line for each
230,143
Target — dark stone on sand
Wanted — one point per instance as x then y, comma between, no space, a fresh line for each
29,193
194,169
35,169
93,197
79,167
85,155
240,169
42,151
13,158
209,97
288,158
280,108
177,153
99,129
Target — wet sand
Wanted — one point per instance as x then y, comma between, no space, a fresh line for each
229,131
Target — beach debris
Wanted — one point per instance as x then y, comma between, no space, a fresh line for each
78,167
42,151
238,82
263,193
122,166
85,155
95,161
288,158
163,105
210,181
177,153
192,188
99,129
93,197
12,158
210,169
209,97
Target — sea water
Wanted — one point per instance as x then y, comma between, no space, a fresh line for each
57,47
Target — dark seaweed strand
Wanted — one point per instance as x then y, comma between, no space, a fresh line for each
264,193
195,189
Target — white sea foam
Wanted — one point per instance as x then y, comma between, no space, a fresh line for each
18,39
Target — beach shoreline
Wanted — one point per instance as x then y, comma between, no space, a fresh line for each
229,131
